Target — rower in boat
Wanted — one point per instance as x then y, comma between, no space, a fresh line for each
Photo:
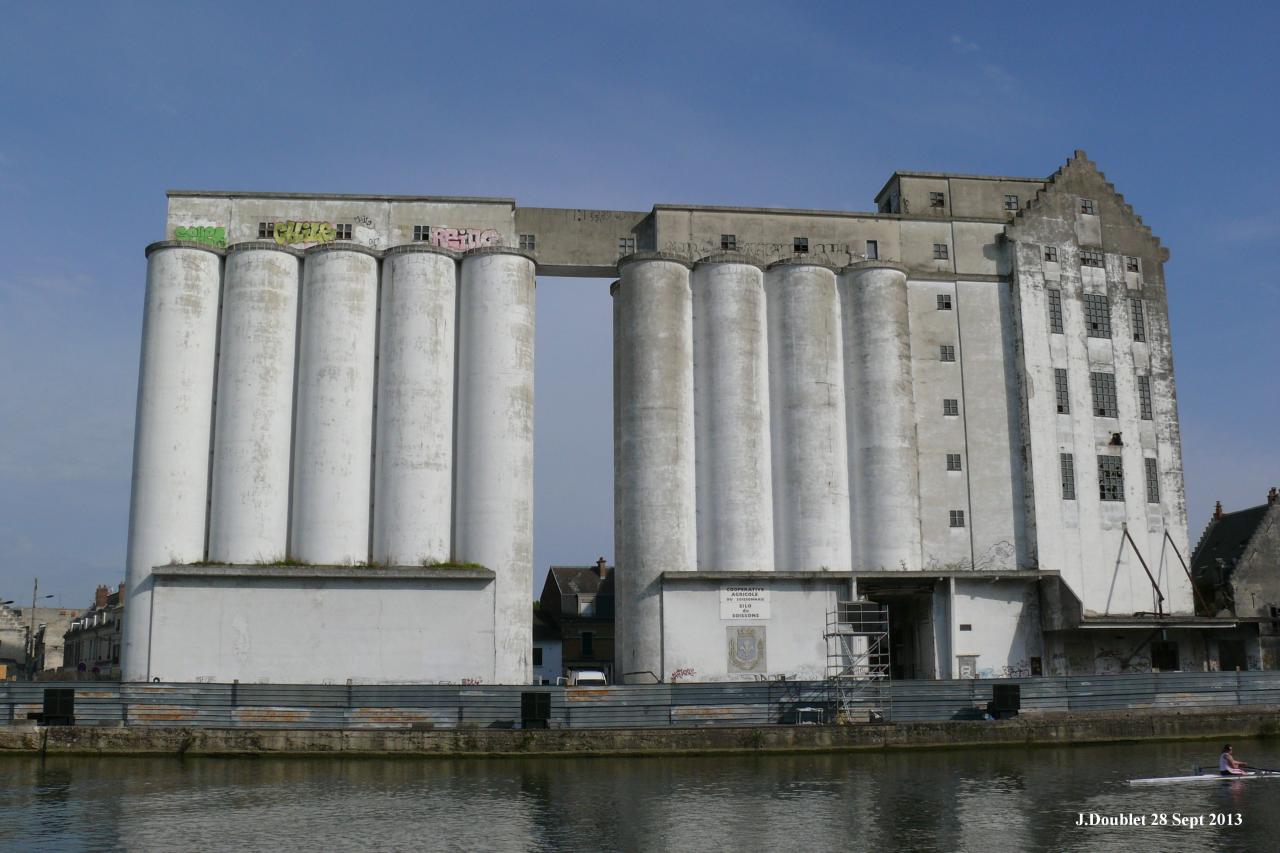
1228,765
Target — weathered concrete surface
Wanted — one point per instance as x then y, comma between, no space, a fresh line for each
1022,731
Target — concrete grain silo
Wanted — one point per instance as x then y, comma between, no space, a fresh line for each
253,429
656,502
413,473
493,509
334,434
807,408
883,454
731,416
171,432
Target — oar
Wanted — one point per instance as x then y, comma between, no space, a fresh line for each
1262,769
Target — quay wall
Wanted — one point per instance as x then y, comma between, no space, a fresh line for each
1056,730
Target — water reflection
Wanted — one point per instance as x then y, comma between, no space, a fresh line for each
1001,799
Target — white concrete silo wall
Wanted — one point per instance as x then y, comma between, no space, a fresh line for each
413,470
334,433
807,409
655,508
883,458
731,417
493,518
167,509
253,430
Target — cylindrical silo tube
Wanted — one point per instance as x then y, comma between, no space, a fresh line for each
807,407
883,456
731,416
334,433
253,430
413,471
493,514
176,376
656,502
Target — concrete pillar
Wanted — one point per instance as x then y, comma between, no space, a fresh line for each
334,439
493,517
883,455
656,527
253,433
731,416
807,406
413,469
176,374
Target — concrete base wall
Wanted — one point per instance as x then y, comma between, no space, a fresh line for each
1003,632
700,645
317,631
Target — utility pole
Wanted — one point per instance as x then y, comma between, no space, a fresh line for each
31,632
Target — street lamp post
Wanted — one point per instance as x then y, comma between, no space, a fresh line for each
31,632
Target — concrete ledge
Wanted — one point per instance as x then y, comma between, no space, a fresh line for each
332,572
152,248
265,245
1096,727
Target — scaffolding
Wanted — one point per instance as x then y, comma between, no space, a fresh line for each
858,675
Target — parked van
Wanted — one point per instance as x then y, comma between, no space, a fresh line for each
588,678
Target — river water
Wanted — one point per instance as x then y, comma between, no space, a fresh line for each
980,800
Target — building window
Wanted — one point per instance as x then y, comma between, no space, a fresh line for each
1153,481
266,230
1092,258
528,242
940,252
1144,397
421,233
1051,253
1132,265
537,656
1055,310
937,199
944,302
343,231
1010,202
1104,394
951,408
1067,465
1062,391
588,644
957,518
1087,206
873,250
626,245
800,245
728,242
947,352
966,626
1097,315
953,461
1110,478
1139,318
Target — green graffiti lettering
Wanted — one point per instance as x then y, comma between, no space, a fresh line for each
304,232
205,235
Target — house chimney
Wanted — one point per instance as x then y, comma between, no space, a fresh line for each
602,567
1271,495
1217,510
100,597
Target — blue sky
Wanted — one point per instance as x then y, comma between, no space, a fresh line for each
104,106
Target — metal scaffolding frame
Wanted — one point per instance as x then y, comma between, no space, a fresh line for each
858,674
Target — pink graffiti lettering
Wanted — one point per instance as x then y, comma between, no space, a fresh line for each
461,239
